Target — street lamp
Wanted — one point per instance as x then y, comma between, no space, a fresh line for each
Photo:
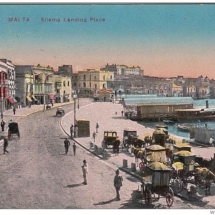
78,99
74,98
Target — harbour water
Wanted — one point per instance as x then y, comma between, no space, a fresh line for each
172,128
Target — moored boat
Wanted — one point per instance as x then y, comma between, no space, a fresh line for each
183,128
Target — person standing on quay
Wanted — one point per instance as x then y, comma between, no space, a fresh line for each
66,145
2,125
97,127
74,148
71,131
85,171
117,184
5,145
94,136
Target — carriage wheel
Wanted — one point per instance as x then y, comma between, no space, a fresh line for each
148,197
141,166
169,198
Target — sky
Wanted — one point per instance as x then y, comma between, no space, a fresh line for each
165,40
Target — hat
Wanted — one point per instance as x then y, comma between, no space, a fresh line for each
117,171
84,161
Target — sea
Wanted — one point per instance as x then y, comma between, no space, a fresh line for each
172,128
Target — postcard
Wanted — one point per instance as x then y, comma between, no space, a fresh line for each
107,106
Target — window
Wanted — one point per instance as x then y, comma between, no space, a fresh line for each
94,77
68,84
95,86
64,83
84,84
104,77
84,77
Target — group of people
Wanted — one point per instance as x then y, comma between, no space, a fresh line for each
73,131
67,145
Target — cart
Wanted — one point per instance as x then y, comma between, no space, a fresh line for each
13,129
60,111
155,184
183,170
127,133
109,138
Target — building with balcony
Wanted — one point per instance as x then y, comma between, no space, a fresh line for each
8,88
35,84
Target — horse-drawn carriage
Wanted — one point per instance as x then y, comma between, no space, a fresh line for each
183,166
109,138
156,182
13,129
127,133
60,111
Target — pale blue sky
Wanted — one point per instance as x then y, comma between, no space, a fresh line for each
164,39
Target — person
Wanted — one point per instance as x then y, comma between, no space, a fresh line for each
71,131
211,141
97,126
94,136
5,145
117,184
2,125
14,110
122,112
66,145
74,148
85,171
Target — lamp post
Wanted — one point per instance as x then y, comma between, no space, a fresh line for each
78,99
74,98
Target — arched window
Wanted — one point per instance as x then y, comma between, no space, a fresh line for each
103,85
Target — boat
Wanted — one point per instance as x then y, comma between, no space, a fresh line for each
168,121
183,127
195,114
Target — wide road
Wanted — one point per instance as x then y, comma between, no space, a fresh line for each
37,174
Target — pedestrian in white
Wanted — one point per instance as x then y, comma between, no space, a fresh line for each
85,171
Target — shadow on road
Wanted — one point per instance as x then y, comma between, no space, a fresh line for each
105,202
74,185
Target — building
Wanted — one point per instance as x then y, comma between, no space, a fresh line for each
89,82
3,85
62,88
8,83
129,70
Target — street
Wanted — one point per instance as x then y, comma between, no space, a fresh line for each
36,174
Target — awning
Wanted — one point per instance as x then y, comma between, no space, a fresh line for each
51,96
29,98
33,97
11,100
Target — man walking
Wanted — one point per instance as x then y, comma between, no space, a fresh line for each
2,125
14,110
85,171
66,145
97,127
74,148
5,145
117,184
